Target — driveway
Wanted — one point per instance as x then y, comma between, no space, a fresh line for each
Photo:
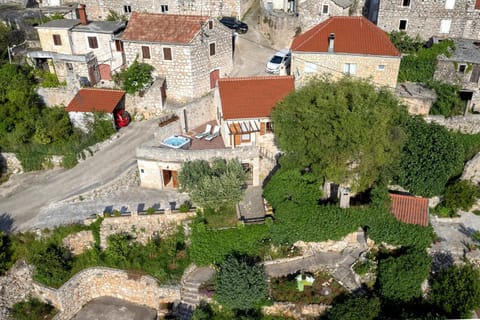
22,198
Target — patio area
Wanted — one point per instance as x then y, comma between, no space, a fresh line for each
202,144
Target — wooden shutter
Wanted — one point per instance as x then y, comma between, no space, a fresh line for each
475,73
167,53
262,128
57,40
237,139
118,45
145,52
212,49
92,42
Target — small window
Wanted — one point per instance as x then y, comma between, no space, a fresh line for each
402,25
325,9
349,68
210,24
167,53
164,7
57,40
405,3
269,127
69,66
245,137
212,49
381,67
462,68
119,45
92,42
127,9
450,4
142,171
145,52
445,26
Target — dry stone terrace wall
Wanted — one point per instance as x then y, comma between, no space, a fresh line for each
143,227
99,282
466,124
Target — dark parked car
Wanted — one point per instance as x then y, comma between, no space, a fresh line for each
234,24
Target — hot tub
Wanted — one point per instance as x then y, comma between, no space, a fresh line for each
176,142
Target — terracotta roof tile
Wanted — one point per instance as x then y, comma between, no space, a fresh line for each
95,100
252,97
355,35
167,28
410,209
477,5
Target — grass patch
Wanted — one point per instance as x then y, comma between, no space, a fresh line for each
33,309
224,217
284,289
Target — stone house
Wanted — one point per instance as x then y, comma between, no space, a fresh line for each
426,18
345,46
417,97
79,49
189,52
462,68
244,106
410,209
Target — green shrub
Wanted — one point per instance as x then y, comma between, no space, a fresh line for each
461,195
404,43
448,101
185,206
150,210
116,213
135,78
469,142
33,309
5,253
355,308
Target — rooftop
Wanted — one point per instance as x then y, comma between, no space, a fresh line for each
415,90
100,26
355,35
167,28
466,50
95,100
410,209
60,24
252,97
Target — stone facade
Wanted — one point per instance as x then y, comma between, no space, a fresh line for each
10,160
469,124
98,282
417,97
150,103
60,96
427,18
15,286
307,65
143,227
213,8
79,242
188,72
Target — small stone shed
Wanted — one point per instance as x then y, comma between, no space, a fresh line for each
410,209
417,97
89,100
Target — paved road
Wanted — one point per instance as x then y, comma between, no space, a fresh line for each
30,192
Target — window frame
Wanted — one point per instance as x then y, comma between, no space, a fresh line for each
92,42
118,45
169,56
127,8
210,47
445,26
323,9
406,3
462,68
349,68
381,67
57,39
400,25
243,137
164,8
146,52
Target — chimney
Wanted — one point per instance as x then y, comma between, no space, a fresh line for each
331,39
82,14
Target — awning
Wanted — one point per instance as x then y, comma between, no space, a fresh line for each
244,127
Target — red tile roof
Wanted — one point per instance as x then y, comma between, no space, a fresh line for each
355,35
169,28
252,97
410,209
95,100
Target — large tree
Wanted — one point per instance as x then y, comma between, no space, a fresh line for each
214,184
346,131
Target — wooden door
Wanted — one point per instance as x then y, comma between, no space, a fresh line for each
175,179
214,76
105,72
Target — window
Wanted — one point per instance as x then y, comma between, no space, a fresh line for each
142,171
325,9
310,67
405,3
127,9
69,66
164,7
118,45
212,49
269,126
92,42
145,52
445,26
402,25
245,137
57,40
462,68
210,24
349,68
381,67
450,4
167,53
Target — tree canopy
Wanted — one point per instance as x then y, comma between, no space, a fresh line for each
213,185
346,131
355,308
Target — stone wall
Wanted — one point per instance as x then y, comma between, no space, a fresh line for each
425,17
98,282
333,64
13,165
143,227
187,75
79,242
57,96
149,104
466,124
295,310
197,113
15,286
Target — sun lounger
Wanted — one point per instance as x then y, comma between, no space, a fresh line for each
205,133
215,133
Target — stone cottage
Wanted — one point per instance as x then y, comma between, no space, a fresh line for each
417,97
190,52
79,49
345,46
462,68
426,18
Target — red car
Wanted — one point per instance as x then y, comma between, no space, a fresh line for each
122,118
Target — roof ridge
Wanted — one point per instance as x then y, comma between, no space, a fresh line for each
408,196
229,79
170,14
103,89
